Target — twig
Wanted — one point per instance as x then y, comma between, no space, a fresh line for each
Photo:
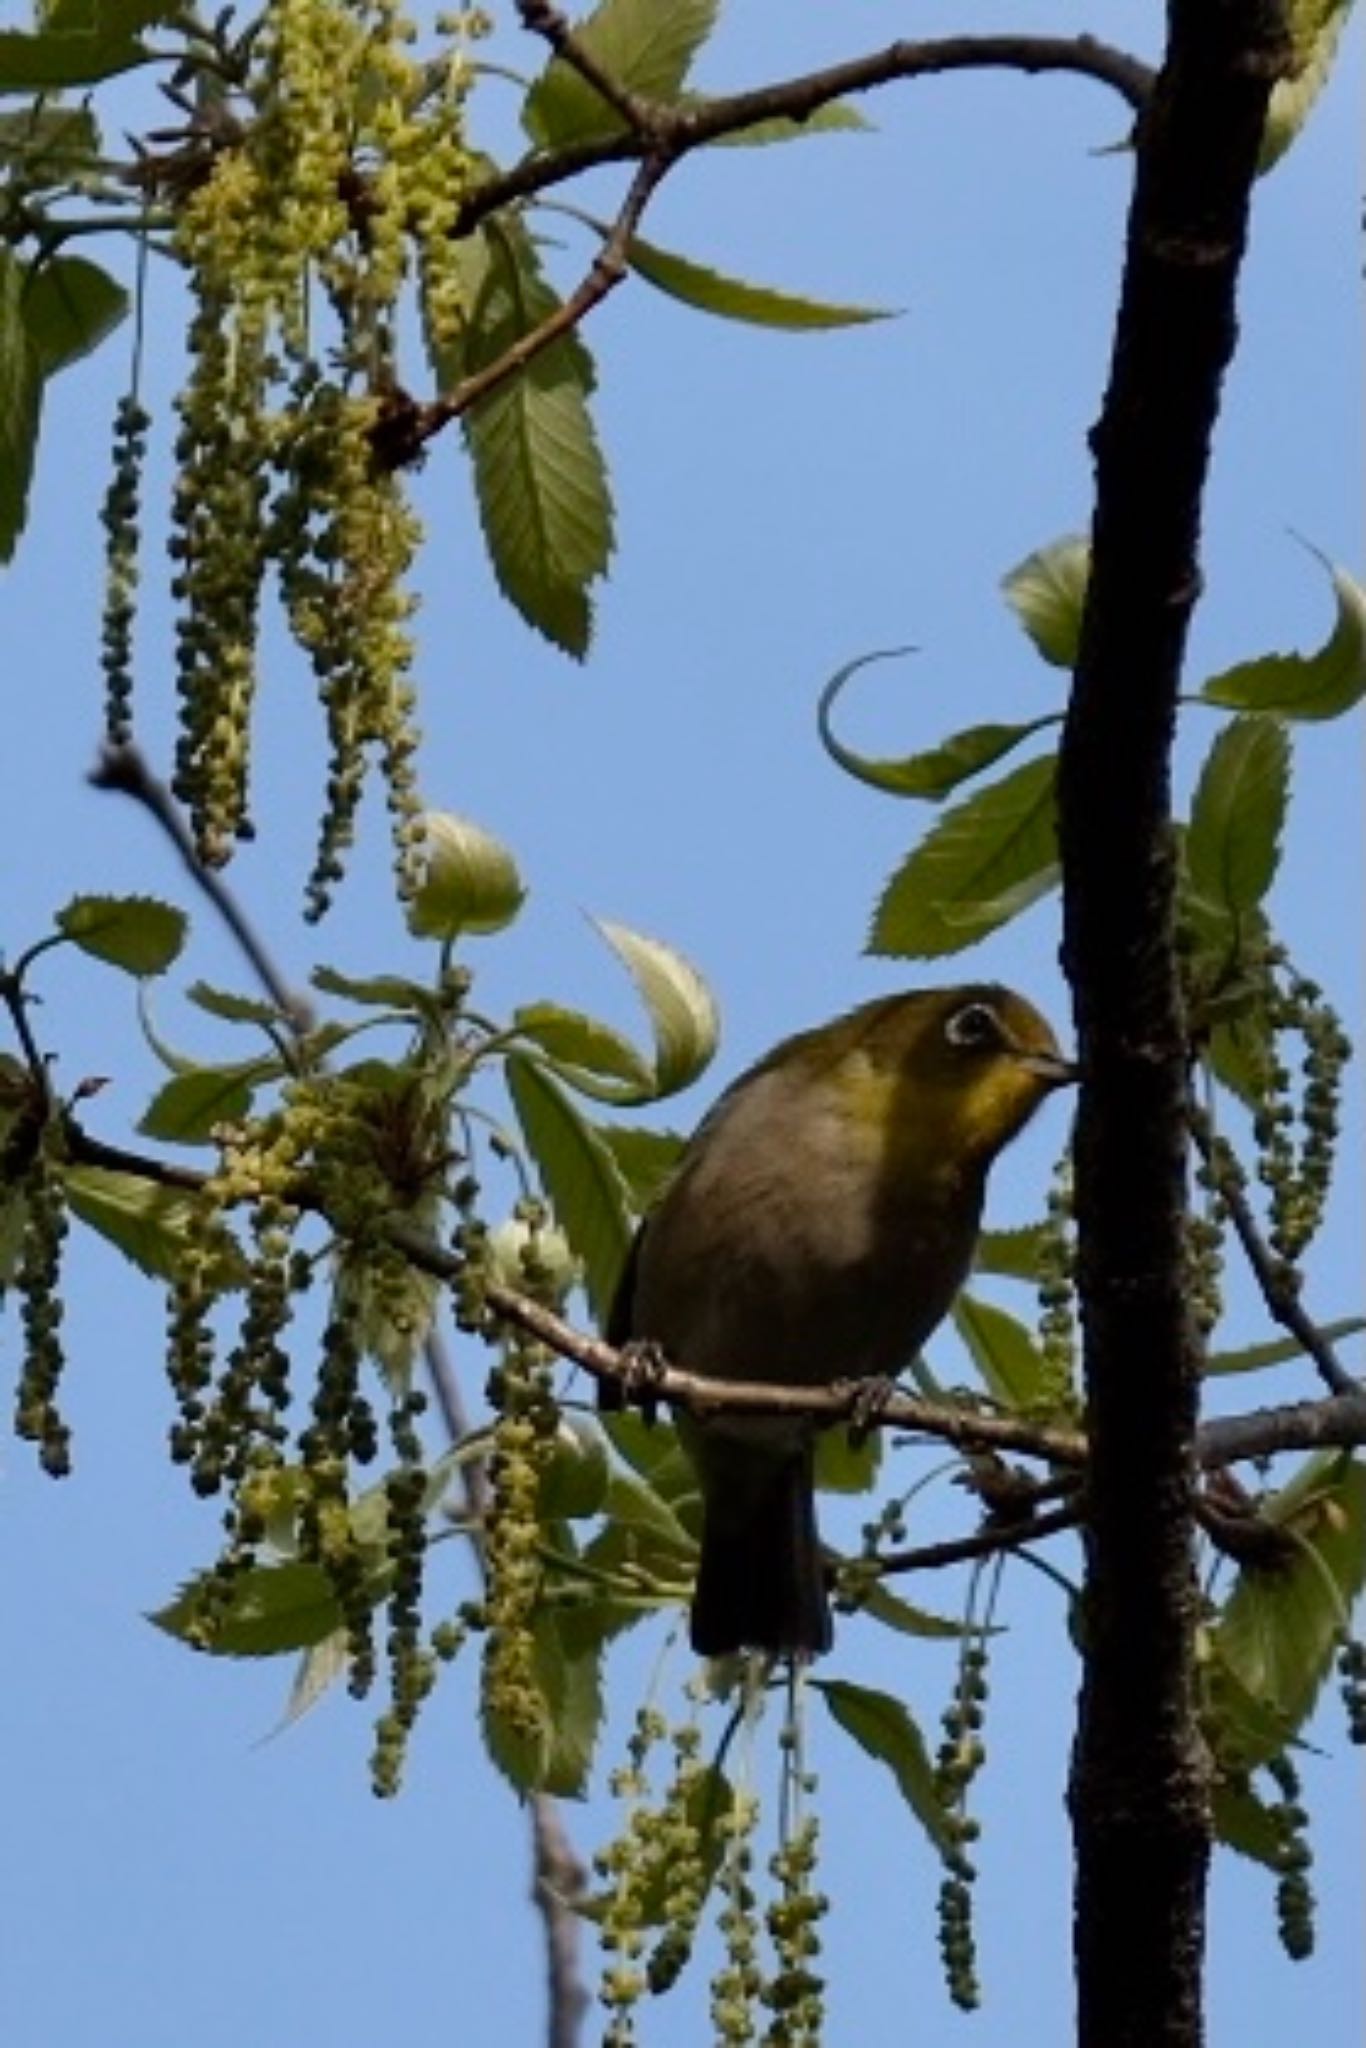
988,1540
559,1878
1274,1276
123,769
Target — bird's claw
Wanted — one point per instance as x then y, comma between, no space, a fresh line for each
643,1366
868,1406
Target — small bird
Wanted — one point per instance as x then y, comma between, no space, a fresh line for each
816,1229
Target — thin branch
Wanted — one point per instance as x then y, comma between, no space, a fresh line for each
1274,1276
559,1879
992,1538
124,769
1335,1424
682,129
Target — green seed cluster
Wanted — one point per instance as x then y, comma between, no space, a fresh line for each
1352,1684
523,1450
627,1868
1294,1894
960,1757
1296,1164
738,1984
121,521
795,1993
412,1666
338,182
1204,1254
38,1282
1057,1288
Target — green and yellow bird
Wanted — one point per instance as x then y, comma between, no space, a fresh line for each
816,1229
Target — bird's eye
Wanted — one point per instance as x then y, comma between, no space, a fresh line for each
975,1024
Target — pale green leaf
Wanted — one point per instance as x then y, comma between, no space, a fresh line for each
70,306
47,144
1003,1352
1281,1624
135,933
21,397
270,1609
1316,29
376,991
1243,1823
643,46
681,1007
1280,1350
836,117
734,298
653,1452
882,1727
188,1108
645,1159
582,1048
469,880
1232,843
578,1174
230,1007
906,1619
1047,593
985,860
1311,686
574,1482
149,1223
1015,1254
844,1466
318,1669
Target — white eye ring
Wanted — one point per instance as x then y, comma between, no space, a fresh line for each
976,1024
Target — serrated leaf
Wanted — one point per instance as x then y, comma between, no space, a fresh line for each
540,479
1003,1352
681,1008
1279,1351
1242,1822
934,773
136,933
1281,1625
187,1108
1232,843
735,298
70,305
1047,593
643,46
21,398
272,1608
1310,686
390,1304
570,1676
1015,1254
232,1008
46,144
41,63
469,883
645,1159
883,1728
836,117
843,1466
578,1174
376,991
986,860
582,1049
1316,29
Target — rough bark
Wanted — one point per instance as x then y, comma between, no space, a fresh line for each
1138,1792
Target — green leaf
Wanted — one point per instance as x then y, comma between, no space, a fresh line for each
934,773
987,859
21,399
1280,1351
1015,1254
843,1466
540,479
734,298
905,1618
1003,1352
135,933
1243,1823
272,1608
376,991
391,1304
70,305
1281,1625
1047,593
469,880
581,1048
578,1174
318,1668
1316,29
883,1728
641,1505
645,1159
1232,843
653,1451
643,46
836,117
186,1110
46,144
681,1007
570,1675
1310,686
40,63
149,1224
232,1008
574,1483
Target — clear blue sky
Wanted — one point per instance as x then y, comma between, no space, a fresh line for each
784,504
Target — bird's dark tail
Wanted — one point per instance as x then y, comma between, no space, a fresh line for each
761,1579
